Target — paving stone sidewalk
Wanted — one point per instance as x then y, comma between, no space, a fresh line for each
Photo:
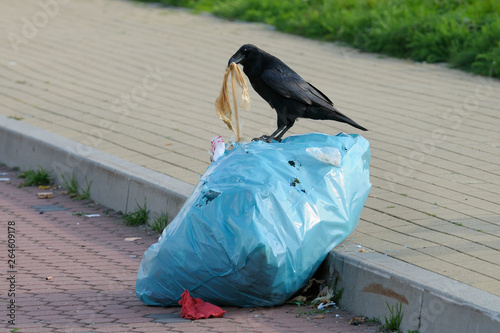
77,274
139,82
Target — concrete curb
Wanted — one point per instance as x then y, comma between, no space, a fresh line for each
430,302
116,183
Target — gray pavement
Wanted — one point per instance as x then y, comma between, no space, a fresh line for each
137,83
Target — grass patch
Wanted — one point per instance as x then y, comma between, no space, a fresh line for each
337,295
461,33
160,221
85,192
395,317
40,176
138,217
72,185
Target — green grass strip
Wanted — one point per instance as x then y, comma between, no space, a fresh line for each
463,33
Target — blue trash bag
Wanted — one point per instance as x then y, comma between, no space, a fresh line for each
260,222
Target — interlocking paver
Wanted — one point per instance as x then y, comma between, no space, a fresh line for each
98,296
433,131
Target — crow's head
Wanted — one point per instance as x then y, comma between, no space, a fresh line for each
246,54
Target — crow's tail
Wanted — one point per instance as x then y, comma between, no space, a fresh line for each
330,114
349,121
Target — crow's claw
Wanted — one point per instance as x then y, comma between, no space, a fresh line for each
266,138
262,138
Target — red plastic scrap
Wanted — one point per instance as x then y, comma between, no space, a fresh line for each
196,308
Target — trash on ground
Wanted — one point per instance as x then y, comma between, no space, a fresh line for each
92,215
4,179
45,195
313,289
357,321
132,239
48,278
323,305
298,299
44,187
246,237
196,308
325,296
312,282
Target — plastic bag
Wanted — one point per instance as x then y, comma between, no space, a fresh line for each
259,223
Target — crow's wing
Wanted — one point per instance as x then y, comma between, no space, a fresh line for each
289,84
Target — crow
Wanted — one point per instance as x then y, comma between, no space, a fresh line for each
285,91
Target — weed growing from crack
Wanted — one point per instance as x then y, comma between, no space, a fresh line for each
38,177
160,221
138,217
396,316
73,187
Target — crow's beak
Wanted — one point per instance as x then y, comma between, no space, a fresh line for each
236,58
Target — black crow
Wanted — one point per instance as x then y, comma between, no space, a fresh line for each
285,91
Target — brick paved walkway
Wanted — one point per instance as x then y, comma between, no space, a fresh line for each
93,270
139,82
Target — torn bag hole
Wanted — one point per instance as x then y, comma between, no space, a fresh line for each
208,195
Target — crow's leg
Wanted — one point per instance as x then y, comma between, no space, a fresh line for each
278,138
277,135
268,138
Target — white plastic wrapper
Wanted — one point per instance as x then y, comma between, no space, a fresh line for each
218,148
